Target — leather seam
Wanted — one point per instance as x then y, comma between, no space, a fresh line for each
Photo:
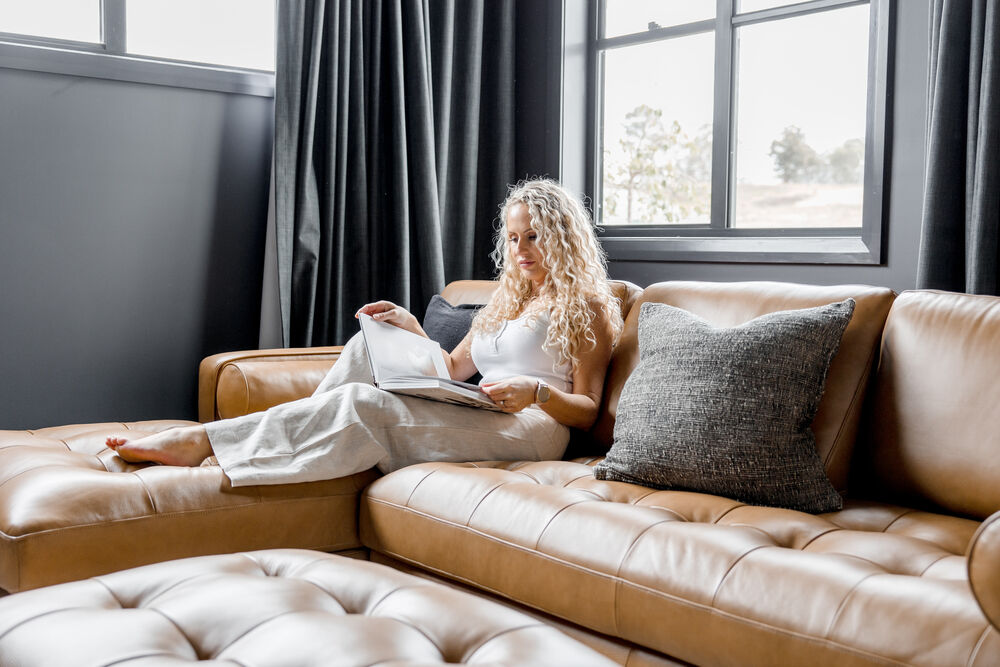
724,514
843,603
149,495
576,479
933,563
489,493
979,644
552,518
834,529
139,656
36,617
466,658
400,620
616,618
417,486
729,570
860,390
893,522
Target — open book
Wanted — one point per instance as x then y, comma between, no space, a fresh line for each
404,363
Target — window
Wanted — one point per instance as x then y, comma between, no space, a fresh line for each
740,130
237,33
75,20
225,45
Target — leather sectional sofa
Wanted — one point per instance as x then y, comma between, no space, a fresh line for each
905,573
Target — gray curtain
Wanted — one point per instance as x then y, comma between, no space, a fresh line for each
959,248
394,143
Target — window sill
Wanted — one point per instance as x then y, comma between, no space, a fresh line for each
760,249
37,58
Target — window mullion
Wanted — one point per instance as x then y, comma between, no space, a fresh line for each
113,26
722,121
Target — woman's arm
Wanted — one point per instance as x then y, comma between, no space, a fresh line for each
459,362
579,408
390,313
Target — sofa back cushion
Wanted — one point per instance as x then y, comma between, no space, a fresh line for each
730,304
479,291
933,433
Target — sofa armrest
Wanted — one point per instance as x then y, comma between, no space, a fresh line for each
984,568
232,384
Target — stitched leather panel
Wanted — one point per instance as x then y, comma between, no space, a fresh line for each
702,578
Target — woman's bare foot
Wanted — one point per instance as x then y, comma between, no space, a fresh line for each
183,446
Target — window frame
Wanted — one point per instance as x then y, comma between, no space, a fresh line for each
109,60
716,242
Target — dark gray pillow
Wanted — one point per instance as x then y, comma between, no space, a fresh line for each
448,324
727,411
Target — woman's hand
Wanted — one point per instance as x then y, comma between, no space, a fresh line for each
390,313
512,394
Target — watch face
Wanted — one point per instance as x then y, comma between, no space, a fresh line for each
543,392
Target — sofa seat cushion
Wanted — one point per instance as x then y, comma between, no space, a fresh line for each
71,508
699,577
279,607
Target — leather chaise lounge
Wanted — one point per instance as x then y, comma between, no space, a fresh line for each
907,573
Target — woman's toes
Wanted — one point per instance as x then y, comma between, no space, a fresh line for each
114,442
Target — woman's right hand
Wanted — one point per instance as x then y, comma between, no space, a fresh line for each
390,313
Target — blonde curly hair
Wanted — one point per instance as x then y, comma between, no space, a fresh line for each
576,283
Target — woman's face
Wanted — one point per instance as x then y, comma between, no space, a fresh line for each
522,247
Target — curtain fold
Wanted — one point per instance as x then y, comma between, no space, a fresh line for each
393,124
960,232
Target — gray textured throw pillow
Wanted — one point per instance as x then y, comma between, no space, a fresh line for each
727,411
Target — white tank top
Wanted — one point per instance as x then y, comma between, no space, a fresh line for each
516,349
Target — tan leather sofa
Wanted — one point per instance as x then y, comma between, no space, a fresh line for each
906,573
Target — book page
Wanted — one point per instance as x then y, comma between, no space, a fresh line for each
393,351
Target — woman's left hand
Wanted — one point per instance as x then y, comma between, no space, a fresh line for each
513,394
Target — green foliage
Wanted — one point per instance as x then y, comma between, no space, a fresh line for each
795,161
660,172
846,162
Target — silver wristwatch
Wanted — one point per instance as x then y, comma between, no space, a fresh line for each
542,392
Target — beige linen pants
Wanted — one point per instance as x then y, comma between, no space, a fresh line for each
348,425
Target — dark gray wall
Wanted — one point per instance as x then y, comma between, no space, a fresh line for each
131,243
904,197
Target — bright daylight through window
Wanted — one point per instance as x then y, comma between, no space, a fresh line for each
741,119
226,33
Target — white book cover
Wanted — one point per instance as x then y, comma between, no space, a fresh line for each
405,363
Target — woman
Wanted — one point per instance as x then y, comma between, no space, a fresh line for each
542,344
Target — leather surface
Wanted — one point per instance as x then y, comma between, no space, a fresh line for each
622,652
254,385
702,578
984,567
70,508
935,422
730,304
281,607
211,367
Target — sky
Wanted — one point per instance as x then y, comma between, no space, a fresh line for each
239,33
809,71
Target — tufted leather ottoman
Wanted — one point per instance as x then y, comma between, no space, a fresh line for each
71,508
279,607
